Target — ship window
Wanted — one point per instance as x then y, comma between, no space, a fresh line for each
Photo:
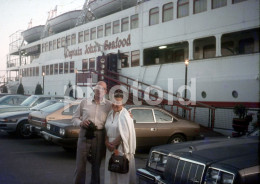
47,69
66,67
203,94
46,46
209,51
135,58
50,45
167,12
204,47
218,3
93,33
73,39
134,21
54,45
92,63
72,66
80,37
51,69
125,24
171,53
246,46
56,69
124,60
43,70
227,48
237,1
43,47
154,16
63,41
100,31
183,8
33,71
108,29
234,94
68,41
84,64
86,35
199,6
37,71
58,43
60,68
116,27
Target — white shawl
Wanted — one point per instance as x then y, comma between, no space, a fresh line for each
127,131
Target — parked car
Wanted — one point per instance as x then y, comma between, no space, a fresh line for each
4,94
15,122
12,99
30,102
209,161
60,110
153,126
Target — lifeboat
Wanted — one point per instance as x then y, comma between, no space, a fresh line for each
102,8
64,21
33,34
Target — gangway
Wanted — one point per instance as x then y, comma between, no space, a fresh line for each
86,78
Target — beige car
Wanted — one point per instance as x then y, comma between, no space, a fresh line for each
154,126
58,111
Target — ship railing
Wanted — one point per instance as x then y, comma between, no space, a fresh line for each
173,106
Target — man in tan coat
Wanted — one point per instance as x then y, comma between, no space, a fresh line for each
95,110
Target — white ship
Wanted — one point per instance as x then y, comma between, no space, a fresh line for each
149,42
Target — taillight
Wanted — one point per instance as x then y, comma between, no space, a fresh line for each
44,122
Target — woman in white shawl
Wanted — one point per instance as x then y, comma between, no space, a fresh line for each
120,129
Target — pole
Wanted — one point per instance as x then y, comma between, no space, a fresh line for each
185,91
43,84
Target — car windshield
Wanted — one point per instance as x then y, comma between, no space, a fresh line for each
54,107
28,101
5,99
43,104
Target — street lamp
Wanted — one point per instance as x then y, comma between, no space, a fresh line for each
20,76
76,72
43,74
185,92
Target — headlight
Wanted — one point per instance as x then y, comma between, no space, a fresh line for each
158,161
48,126
217,176
5,120
62,132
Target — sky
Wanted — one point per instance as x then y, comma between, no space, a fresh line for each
16,14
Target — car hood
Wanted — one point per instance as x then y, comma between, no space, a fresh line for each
13,108
39,114
61,123
18,113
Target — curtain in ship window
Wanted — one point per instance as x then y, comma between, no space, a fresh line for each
63,41
200,6
108,29
66,67
93,33
100,31
43,47
135,58
54,44
73,39
72,67
92,63
167,12
50,45
47,69
183,8
237,1
116,27
58,43
86,35
124,24
68,40
134,21
51,69
56,69
124,60
209,51
47,46
37,71
80,37
154,16
84,64
218,3
60,68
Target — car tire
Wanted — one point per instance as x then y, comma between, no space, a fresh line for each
176,138
22,131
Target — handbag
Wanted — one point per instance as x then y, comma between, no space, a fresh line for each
118,163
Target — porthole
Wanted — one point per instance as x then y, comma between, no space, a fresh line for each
203,94
234,94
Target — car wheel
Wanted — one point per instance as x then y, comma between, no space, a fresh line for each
22,130
177,138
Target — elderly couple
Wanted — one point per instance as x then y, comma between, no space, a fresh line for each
115,130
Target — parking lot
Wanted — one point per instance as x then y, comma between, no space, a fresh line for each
32,161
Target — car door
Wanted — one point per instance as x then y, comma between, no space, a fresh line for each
164,125
145,126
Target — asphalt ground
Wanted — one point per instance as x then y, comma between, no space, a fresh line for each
35,161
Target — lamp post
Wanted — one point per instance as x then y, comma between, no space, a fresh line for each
185,92
43,74
76,72
21,77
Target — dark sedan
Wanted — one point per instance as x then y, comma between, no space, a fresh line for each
209,161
